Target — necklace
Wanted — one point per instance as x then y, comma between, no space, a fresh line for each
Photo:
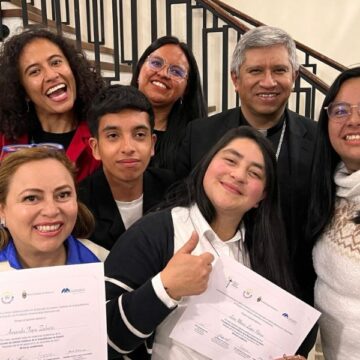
281,140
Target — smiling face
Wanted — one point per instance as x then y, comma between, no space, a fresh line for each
124,145
235,179
344,134
47,78
160,89
40,209
264,84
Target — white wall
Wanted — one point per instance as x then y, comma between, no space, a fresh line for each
328,26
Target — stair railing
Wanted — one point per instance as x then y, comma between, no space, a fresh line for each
120,27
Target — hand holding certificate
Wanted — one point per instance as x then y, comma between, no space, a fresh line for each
243,316
53,313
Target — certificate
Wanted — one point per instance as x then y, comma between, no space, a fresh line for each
243,316
53,313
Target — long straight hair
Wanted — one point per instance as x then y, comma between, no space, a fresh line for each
323,188
192,105
265,238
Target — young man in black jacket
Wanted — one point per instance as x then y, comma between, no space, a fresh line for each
121,122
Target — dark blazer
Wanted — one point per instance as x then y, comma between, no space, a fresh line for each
294,183
96,194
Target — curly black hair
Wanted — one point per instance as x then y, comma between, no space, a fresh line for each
15,114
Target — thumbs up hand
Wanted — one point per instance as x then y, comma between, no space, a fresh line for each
187,274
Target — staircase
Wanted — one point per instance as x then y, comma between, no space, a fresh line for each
114,33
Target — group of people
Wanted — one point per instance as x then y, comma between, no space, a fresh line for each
82,163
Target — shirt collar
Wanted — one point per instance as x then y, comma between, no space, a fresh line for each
77,253
9,254
267,132
203,228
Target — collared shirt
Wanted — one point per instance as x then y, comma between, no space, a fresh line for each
77,253
185,221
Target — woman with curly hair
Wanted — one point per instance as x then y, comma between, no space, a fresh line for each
47,88
168,75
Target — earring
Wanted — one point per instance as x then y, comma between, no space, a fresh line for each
27,106
2,223
181,101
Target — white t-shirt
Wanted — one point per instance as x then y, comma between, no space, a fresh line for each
130,211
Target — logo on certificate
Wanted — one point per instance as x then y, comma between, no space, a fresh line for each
247,294
286,316
7,298
67,290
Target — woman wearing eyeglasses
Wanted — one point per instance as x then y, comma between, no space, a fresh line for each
168,75
40,216
47,86
334,221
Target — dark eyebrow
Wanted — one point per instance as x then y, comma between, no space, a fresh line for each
48,59
114,127
141,127
240,156
110,127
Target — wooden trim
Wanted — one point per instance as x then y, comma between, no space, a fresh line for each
52,25
107,66
313,79
223,15
313,53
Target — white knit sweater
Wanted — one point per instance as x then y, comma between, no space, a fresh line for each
337,264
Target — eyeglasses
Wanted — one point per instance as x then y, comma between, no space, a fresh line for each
341,110
7,149
176,72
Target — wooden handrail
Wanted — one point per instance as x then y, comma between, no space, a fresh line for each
238,13
223,15
313,53
313,79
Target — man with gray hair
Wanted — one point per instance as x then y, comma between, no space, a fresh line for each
263,70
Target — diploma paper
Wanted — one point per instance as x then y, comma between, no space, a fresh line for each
53,313
243,316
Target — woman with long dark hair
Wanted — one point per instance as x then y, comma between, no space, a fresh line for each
333,219
168,75
228,206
